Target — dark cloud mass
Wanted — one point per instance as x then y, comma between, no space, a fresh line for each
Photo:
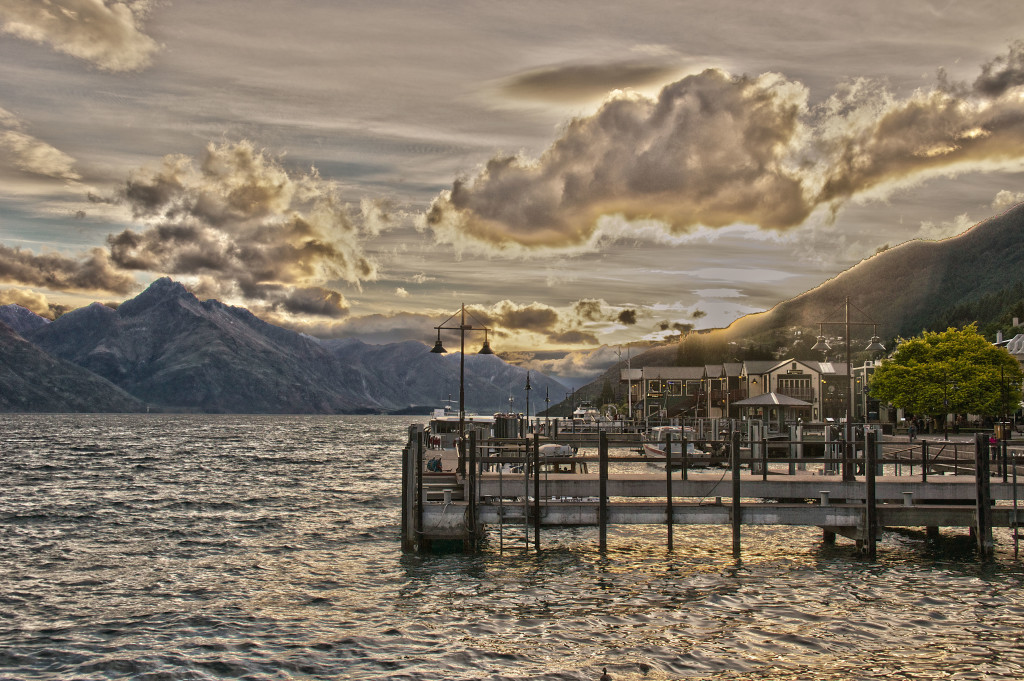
243,226
92,272
1002,73
507,317
627,317
714,150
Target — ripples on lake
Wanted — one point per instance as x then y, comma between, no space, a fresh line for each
207,547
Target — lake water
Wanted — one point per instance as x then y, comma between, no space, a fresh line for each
267,547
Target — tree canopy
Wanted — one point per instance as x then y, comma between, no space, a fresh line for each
951,371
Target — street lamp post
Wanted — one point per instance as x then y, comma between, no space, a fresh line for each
528,389
485,349
875,345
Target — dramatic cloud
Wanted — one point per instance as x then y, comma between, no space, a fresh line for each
627,317
507,315
241,225
709,150
106,34
53,271
564,327
714,150
26,153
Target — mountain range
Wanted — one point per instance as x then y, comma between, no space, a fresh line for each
165,350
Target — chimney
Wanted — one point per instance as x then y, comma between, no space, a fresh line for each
999,337
1016,321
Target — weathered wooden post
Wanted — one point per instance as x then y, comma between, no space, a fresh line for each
602,492
791,450
685,457
536,492
471,481
871,510
407,534
984,497
421,543
668,484
924,461
737,518
764,454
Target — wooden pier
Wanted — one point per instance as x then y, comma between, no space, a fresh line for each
855,490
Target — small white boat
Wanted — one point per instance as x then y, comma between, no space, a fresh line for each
697,458
655,445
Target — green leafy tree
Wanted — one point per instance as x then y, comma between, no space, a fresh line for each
951,371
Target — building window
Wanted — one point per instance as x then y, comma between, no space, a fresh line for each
674,388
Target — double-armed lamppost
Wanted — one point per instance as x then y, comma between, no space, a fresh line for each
875,345
462,328
528,388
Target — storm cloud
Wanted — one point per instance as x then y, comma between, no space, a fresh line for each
92,272
714,150
559,327
242,226
106,34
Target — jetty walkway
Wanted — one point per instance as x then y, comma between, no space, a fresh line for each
516,487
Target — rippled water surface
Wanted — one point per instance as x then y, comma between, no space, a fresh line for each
267,547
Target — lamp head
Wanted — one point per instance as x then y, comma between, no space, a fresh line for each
485,349
822,345
438,348
875,345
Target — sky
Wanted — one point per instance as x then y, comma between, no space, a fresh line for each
580,175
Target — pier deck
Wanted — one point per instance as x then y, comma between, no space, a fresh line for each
904,490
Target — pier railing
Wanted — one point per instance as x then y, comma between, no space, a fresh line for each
848,488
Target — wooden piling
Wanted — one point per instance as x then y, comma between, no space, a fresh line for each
737,519
418,526
764,455
668,483
685,457
924,461
602,475
473,489
984,497
870,510
536,492
407,542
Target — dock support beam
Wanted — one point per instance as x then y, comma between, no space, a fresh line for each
737,519
536,492
408,536
668,482
870,510
418,524
602,475
984,496
473,489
